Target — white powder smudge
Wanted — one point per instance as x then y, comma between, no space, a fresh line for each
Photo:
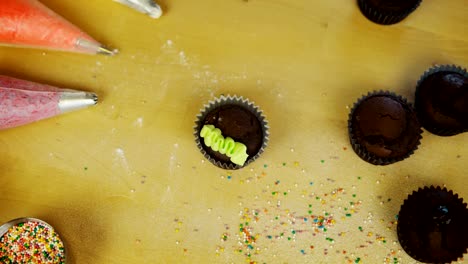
183,58
207,81
121,160
173,159
138,122
167,195
172,55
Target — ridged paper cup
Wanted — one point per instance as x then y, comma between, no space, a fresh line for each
361,150
384,17
434,128
223,101
432,225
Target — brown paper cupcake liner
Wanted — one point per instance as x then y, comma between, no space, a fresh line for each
360,150
231,100
424,230
436,130
384,17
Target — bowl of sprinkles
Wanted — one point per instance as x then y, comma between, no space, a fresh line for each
30,240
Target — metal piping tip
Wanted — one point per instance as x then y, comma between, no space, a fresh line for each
74,100
94,47
148,7
106,51
94,97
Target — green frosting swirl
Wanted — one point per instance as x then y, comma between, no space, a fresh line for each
214,139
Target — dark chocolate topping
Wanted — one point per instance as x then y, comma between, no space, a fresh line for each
238,123
385,126
442,101
432,226
393,5
387,12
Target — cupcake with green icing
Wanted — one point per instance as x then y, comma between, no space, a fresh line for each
231,132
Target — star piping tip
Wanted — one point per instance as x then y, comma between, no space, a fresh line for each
94,97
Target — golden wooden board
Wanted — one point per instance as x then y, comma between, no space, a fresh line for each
123,182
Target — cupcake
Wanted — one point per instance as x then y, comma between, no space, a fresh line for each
231,132
30,240
442,100
432,225
383,128
387,12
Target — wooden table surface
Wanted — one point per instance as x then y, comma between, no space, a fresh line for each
123,182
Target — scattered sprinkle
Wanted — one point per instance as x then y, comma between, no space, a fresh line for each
261,224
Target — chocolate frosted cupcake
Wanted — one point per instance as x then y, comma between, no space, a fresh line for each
383,128
231,132
442,100
432,225
387,12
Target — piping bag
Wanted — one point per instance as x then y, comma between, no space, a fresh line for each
29,23
148,7
23,102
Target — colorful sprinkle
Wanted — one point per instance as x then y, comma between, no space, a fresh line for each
31,242
263,224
